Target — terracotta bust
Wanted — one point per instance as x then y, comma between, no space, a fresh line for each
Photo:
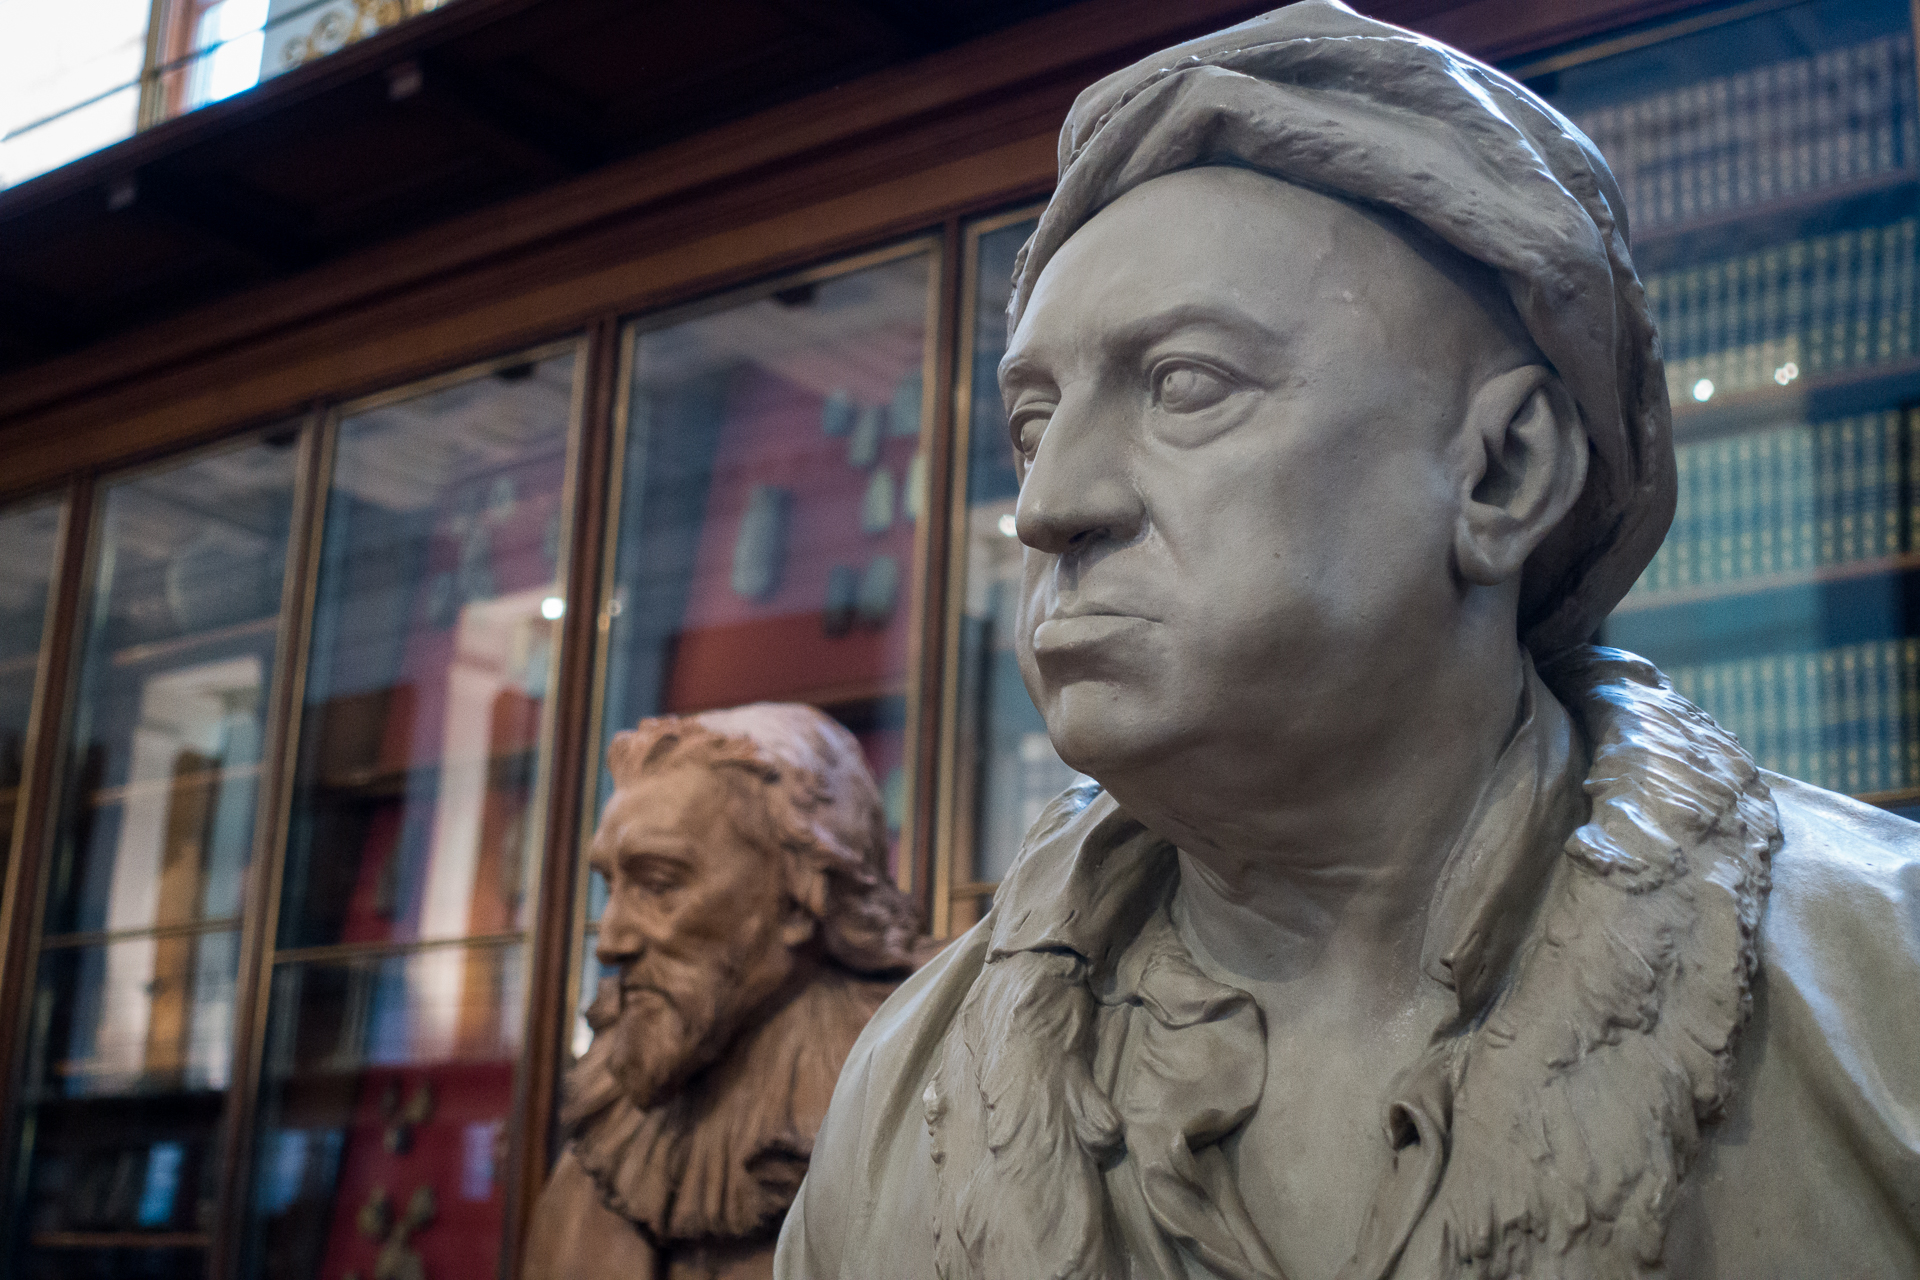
752,932
1404,934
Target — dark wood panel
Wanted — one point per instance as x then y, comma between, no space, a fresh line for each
891,152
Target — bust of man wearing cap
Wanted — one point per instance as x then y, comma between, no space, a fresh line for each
1405,934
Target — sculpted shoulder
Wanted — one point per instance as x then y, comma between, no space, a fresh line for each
1842,928
1815,1169
871,1216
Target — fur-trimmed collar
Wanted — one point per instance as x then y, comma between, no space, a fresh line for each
722,1159
1543,1135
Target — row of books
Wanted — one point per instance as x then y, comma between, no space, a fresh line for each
1790,498
1809,307
1846,718
1766,134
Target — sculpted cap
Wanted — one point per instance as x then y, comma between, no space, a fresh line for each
1320,96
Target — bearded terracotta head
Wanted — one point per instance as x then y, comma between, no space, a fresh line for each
743,851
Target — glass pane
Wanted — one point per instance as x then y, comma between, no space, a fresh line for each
130,1036
29,541
415,812
773,483
1006,766
1772,169
416,820
390,1078
158,823
132,1050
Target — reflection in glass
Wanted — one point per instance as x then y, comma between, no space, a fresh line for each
29,540
130,1025
1006,770
392,1074
415,822
772,488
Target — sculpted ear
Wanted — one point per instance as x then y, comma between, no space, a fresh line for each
1526,460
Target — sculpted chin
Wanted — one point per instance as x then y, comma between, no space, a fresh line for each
751,932
1404,934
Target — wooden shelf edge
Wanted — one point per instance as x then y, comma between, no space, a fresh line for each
1658,237
121,1239
153,651
1654,601
1739,411
122,792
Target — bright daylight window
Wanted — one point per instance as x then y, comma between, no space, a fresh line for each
69,80
79,75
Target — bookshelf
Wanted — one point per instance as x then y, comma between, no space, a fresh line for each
1770,163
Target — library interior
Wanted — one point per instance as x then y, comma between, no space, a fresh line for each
399,399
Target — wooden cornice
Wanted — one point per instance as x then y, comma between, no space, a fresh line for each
886,155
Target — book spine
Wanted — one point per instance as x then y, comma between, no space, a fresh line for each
1806,131
1850,486
1890,474
1726,513
1686,135
1903,288
1688,565
1819,316
1861,348
1794,301
1825,133
1912,478
1846,266
1769,516
1832,723
1906,89
1871,480
1873,765
1886,283
1772,327
1766,711
1743,116
1720,113
1793,717
1767,135
1885,108
1854,719
1810,509
1827,550
1910,710
1743,492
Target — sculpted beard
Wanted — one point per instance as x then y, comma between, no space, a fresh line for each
669,1016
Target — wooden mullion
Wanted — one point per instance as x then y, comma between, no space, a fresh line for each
936,557
573,756
259,919
33,824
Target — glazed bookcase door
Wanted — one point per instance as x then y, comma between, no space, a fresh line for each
29,549
1771,167
122,1096
414,831
769,516
998,767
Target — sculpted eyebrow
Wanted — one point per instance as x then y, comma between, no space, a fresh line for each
1145,330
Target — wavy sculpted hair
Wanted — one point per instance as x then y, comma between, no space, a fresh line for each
797,783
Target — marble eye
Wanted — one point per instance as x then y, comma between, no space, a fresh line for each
1028,426
1188,388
